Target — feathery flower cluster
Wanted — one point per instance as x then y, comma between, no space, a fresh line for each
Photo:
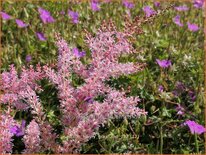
32,138
5,134
82,114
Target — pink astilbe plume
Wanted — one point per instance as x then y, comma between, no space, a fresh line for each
32,138
12,85
6,122
81,119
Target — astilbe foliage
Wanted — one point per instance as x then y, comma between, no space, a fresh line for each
81,113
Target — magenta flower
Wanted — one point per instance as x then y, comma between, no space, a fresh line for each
77,53
21,24
195,128
18,131
95,6
74,16
127,4
176,20
5,16
28,58
192,27
181,8
157,4
180,110
40,36
148,11
161,88
45,16
163,63
198,3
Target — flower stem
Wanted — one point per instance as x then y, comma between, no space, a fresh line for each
161,140
196,144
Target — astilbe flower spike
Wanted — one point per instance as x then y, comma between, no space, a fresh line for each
32,138
81,119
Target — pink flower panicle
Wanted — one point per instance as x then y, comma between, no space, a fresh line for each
32,138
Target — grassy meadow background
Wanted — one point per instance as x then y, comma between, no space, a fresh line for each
161,130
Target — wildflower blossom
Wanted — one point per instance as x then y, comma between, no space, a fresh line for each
74,16
45,16
95,6
148,11
163,63
161,88
21,24
198,3
181,8
40,36
5,16
127,4
157,4
78,54
28,58
192,27
176,20
180,110
18,131
192,95
32,138
194,127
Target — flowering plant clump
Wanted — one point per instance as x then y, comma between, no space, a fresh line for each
82,114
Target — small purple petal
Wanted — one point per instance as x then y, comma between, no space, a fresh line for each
176,20
74,16
40,36
163,63
5,16
127,4
78,54
45,16
161,88
192,27
21,24
95,6
148,11
198,3
157,4
28,58
182,8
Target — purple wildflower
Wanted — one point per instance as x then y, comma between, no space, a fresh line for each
95,6
181,8
62,12
163,63
161,88
21,24
78,54
148,11
198,3
195,128
180,110
192,95
74,16
45,16
40,36
127,4
157,4
88,99
192,27
18,131
28,58
5,16
176,20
